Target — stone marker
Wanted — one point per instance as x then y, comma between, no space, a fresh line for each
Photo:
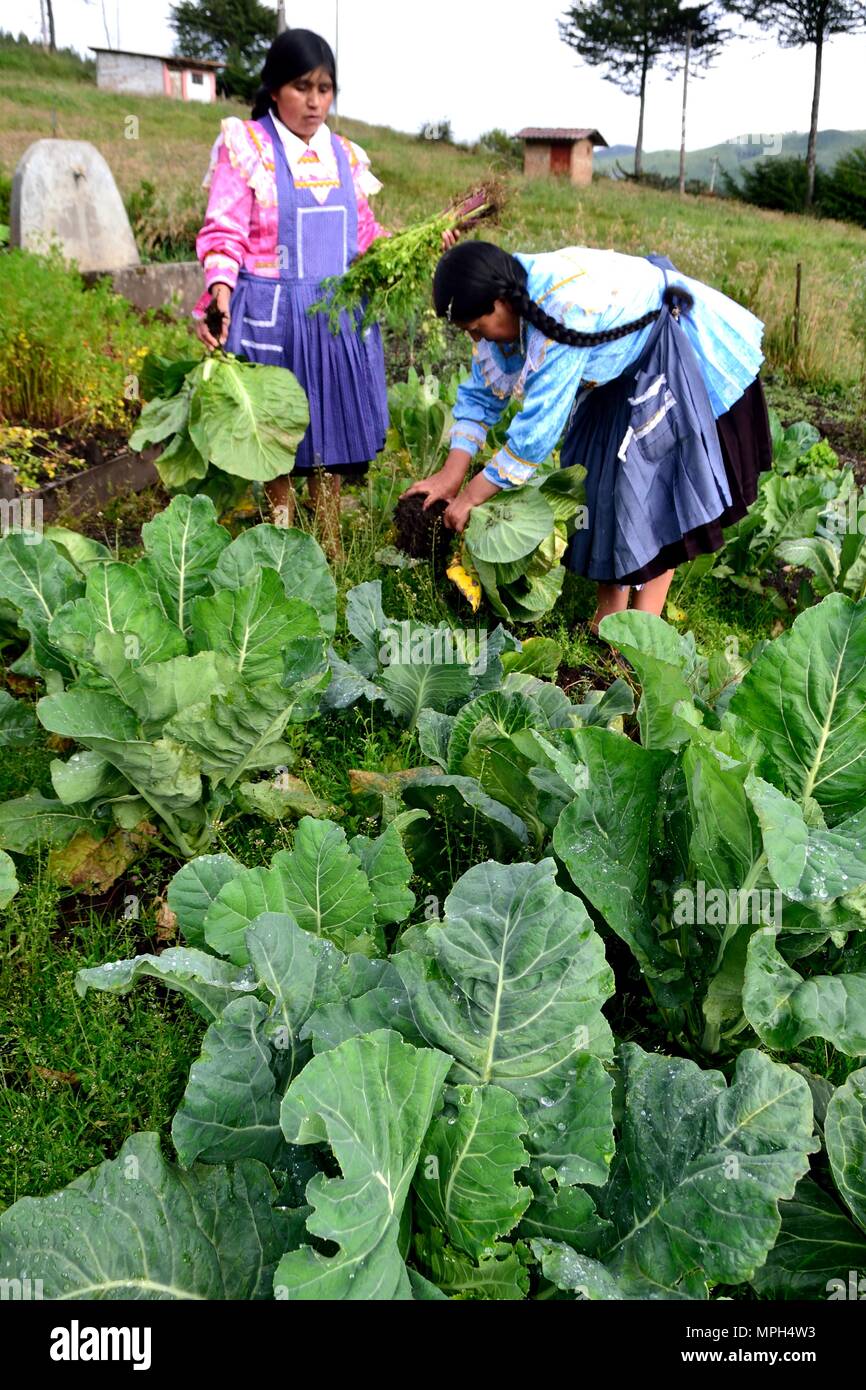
63,192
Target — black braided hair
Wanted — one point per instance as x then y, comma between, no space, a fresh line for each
474,274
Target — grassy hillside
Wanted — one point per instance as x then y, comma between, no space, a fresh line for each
732,156
748,253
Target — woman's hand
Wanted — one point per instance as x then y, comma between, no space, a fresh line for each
459,511
221,297
450,238
446,483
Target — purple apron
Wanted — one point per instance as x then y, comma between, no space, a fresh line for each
343,374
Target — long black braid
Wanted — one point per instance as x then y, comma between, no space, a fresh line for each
474,274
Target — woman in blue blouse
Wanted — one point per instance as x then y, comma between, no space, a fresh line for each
651,377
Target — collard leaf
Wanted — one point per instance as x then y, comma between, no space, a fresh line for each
299,971
231,1107
808,863
570,1269
805,700
461,801
501,1276
603,836
252,625
815,1251
210,983
785,1009
85,777
251,418
238,732
656,652
182,544
194,888
845,1134
509,526
83,551
465,1180
17,722
388,869
371,1100
319,882
700,1170
34,819
295,555
8,882
38,580
287,798
116,601
137,1228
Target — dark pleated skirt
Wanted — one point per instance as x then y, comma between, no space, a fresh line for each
747,451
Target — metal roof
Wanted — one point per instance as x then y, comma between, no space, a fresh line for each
175,58
533,132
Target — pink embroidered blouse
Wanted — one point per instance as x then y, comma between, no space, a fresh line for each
240,226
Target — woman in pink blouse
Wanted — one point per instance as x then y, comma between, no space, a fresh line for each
288,208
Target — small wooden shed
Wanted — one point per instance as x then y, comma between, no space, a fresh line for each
559,151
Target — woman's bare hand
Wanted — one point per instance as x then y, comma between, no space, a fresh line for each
434,488
450,238
221,297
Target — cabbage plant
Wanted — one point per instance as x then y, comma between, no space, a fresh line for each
177,676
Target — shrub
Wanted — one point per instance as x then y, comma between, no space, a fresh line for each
68,356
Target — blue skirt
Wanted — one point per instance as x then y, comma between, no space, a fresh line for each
343,374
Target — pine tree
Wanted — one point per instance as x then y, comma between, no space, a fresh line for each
797,23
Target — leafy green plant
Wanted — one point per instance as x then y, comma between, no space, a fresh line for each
177,675
514,543
411,666
443,1118
239,417
421,420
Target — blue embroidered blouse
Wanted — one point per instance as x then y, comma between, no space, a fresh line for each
591,290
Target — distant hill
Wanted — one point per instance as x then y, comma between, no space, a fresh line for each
734,154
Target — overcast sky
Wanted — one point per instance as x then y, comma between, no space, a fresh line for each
486,63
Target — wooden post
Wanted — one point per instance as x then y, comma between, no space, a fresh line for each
714,170
797,298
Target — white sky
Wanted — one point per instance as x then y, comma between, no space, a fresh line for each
486,63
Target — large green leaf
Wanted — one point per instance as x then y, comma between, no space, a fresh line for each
809,864
231,1106
299,972
85,777
388,868
805,701
816,1248
657,653
210,983
35,819
512,986
8,882
38,580
165,773
501,1276
845,1134
193,889
785,1009
465,1179
410,687
236,732
509,526
82,550
460,801
137,1228
700,1170
296,556
182,544
604,835
17,722
252,625
116,600
250,418
320,882
371,1099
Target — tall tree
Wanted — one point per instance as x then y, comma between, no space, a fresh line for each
701,39
798,23
628,38
237,33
